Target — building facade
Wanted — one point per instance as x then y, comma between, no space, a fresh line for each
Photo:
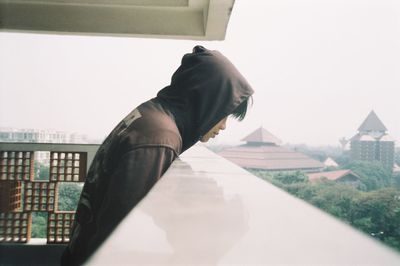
372,142
41,136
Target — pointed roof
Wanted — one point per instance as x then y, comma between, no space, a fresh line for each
261,135
330,162
372,123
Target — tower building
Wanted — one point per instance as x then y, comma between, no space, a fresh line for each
372,142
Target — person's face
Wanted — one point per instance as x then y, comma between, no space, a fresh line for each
221,125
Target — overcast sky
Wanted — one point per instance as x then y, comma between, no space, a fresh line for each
318,68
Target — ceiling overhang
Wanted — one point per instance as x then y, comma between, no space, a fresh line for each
175,19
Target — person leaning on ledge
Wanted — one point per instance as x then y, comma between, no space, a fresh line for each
204,91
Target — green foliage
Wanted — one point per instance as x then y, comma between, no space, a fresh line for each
376,213
268,176
39,225
397,156
396,179
373,175
342,158
291,177
330,168
42,171
68,196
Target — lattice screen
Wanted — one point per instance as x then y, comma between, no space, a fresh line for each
20,194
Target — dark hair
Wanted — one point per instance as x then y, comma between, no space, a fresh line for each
240,112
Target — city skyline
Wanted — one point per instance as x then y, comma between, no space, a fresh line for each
91,139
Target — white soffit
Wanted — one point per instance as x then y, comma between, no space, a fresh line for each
176,19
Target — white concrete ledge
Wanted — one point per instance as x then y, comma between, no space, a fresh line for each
208,211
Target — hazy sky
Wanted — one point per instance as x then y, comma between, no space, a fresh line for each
318,68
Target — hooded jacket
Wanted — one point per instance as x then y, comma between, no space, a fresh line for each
203,90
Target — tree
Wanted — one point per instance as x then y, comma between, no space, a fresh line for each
373,175
343,158
291,177
397,156
375,212
68,196
378,214
39,225
396,179
42,171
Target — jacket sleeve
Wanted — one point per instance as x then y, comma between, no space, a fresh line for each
134,176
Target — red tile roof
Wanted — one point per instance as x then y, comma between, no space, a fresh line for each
270,158
331,175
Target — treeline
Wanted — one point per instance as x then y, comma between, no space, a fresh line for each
373,206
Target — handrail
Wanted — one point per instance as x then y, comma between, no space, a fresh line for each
208,211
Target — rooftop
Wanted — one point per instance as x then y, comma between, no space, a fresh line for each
273,158
261,135
372,123
330,162
331,175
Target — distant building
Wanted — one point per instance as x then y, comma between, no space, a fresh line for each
372,143
342,176
40,136
329,162
262,151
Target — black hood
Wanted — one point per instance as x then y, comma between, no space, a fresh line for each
204,89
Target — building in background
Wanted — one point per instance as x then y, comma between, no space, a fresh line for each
372,142
40,136
341,176
262,151
329,162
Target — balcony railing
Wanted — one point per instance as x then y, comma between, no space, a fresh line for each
208,211
204,211
21,194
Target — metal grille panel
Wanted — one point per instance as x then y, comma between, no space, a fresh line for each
40,196
10,196
15,227
17,175
16,165
67,166
59,226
